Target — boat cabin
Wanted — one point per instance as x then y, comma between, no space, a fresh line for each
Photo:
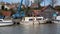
58,18
33,18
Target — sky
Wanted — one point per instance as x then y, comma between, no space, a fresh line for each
58,2
47,2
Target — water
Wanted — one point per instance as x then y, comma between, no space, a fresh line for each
36,29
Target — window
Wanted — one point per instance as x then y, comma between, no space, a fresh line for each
0,20
30,19
39,19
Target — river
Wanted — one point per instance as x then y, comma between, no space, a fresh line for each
31,29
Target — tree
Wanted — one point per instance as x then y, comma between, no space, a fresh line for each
26,3
38,2
27,6
53,2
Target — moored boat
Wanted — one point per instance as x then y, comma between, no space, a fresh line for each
5,22
56,20
32,20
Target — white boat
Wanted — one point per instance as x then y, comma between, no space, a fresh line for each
4,22
56,20
32,20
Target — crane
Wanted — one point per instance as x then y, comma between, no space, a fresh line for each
19,13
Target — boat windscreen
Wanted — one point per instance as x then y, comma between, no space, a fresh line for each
39,19
30,19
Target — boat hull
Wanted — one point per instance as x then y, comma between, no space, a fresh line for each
26,22
57,22
32,22
5,24
42,21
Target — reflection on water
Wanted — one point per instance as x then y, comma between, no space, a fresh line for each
33,29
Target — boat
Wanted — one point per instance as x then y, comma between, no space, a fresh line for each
4,22
56,20
32,20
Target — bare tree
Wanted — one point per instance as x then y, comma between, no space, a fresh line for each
53,2
38,2
27,5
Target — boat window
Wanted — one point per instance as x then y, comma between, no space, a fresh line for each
39,19
0,20
30,19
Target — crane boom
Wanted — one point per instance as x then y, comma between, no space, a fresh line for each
17,14
19,8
